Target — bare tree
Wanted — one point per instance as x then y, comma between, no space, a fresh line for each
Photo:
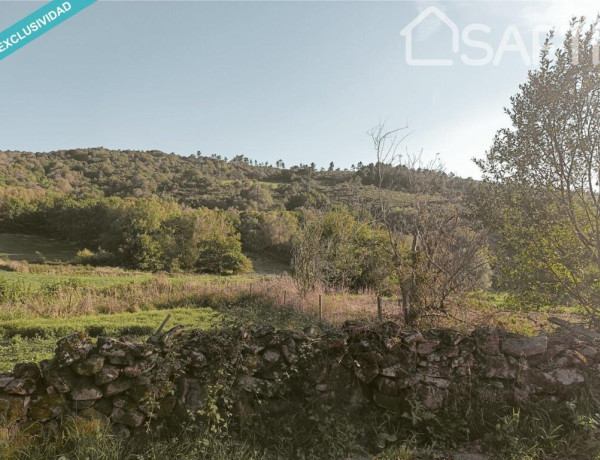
436,251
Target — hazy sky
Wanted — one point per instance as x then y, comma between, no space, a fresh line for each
298,81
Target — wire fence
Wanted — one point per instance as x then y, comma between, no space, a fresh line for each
324,306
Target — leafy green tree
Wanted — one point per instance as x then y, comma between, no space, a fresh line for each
340,251
219,245
269,232
533,245
134,235
552,154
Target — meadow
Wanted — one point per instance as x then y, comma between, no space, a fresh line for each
39,303
42,302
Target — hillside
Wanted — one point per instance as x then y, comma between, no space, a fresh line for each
152,210
196,181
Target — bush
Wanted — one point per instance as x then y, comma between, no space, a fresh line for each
269,232
11,291
340,251
87,257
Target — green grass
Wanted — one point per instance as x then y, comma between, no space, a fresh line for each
35,339
33,248
36,281
33,282
33,314
19,350
140,323
271,185
504,301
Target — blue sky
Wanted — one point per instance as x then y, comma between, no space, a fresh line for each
298,81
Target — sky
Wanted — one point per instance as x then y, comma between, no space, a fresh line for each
299,81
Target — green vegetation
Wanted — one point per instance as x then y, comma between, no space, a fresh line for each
42,303
35,283
540,198
340,252
147,234
34,339
152,211
193,181
140,324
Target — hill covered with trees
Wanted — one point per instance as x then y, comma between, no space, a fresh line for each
147,210
196,181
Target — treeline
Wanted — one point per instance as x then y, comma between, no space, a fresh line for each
156,211
345,249
199,181
141,233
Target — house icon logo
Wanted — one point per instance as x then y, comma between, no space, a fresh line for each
408,33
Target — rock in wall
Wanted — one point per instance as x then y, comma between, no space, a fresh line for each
133,383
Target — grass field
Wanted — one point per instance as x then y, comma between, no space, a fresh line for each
43,297
41,302
34,248
104,278
36,317
40,307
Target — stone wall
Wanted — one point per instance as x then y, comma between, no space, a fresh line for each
132,383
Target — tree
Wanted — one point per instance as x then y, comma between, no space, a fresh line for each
306,260
204,241
134,235
436,250
552,153
269,232
219,246
531,241
339,251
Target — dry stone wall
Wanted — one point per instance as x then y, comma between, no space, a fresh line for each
173,375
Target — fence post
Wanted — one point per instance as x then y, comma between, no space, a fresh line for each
379,312
320,309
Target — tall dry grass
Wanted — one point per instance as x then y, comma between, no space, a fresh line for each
165,292
162,292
